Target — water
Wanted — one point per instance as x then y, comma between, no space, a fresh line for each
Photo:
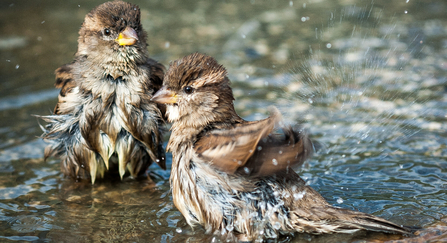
368,79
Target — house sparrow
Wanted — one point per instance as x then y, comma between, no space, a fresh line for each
104,120
233,176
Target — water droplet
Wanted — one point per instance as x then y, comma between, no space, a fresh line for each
304,5
328,45
401,166
259,148
17,66
178,230
405,11
246,170
407,1
299,195
290,3
243,36
303,19
280,152
79,5
310,100
167,44
277,225
247,76
142,221
340,200
275,162
42,22
39,38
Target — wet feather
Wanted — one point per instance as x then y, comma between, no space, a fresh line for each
235,178
104,119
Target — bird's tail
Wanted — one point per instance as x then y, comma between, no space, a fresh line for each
338,220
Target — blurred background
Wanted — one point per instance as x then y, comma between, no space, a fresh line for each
367,79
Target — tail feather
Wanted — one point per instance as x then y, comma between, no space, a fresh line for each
338,220
372,223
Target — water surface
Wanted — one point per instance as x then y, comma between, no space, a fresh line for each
366,78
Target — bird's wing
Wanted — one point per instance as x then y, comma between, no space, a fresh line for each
156,81
249,148
279,152
66,83
157,73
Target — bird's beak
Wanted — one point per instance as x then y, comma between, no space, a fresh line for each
164,96
127,37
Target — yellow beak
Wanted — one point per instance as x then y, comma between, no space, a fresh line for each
127,37
164,96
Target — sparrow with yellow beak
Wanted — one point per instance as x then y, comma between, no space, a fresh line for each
104,120
235,177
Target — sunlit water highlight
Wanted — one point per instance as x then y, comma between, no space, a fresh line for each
368,80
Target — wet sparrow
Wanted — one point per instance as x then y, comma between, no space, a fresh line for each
233,176
104,120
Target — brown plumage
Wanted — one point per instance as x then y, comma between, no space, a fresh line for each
104,120
235,177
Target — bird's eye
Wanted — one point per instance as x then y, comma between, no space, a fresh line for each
107,32
188,89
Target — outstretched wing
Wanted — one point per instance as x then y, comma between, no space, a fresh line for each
230,149
250,148
279,152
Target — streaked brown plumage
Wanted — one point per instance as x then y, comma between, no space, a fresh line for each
234,177
104,120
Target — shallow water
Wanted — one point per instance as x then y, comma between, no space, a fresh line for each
367,79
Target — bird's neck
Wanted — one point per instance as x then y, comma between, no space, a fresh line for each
114,62
182,137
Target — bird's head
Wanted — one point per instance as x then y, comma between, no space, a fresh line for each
112,28
197,92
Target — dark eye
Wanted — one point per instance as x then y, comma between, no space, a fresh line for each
188,89
107,32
